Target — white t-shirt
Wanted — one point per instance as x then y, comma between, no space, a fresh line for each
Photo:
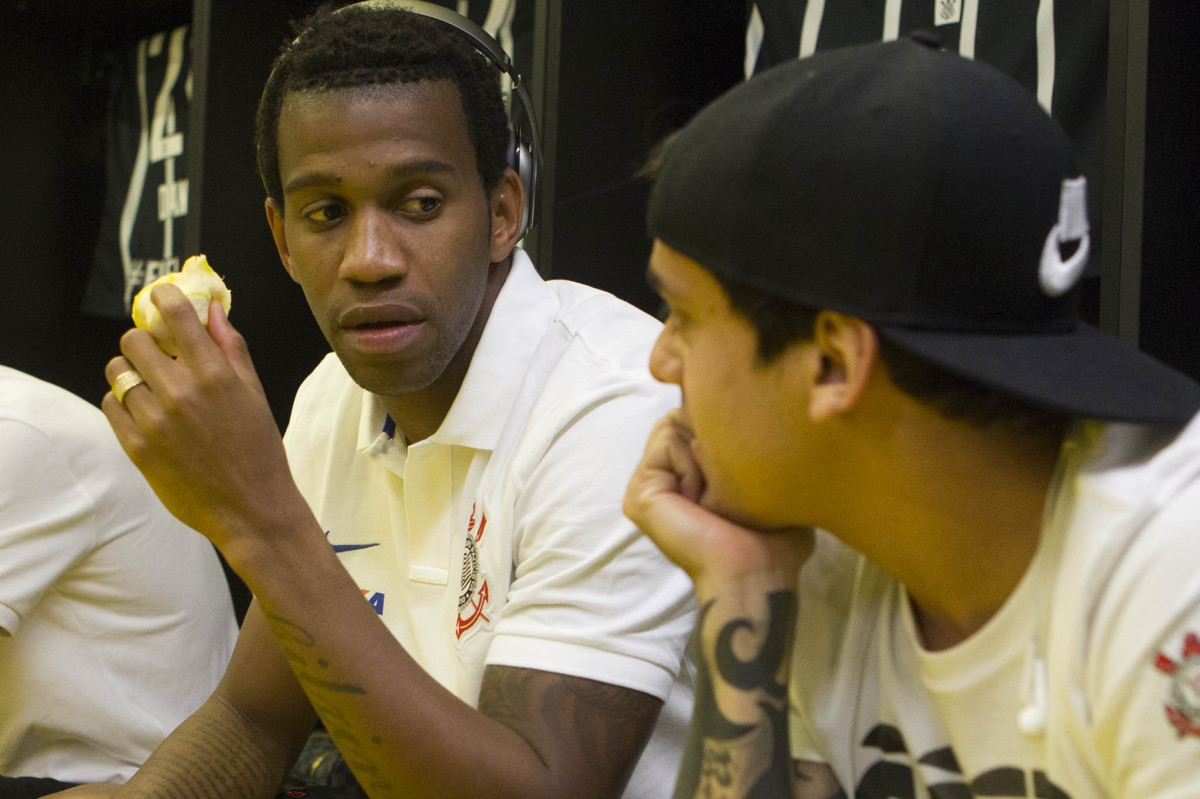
115,619
515,551
1085,684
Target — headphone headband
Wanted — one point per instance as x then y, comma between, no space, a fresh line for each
525,152
475,33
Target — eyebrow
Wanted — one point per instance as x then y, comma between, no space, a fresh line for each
398,171
662,287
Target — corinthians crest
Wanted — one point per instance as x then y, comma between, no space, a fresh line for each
949,12
1183,697
473,588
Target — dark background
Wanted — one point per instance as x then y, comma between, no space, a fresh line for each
1170,297
629,71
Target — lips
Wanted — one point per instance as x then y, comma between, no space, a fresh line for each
381,328
379,315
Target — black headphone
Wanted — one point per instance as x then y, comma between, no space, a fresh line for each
524,150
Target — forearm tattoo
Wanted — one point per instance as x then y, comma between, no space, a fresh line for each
209,757
360,749
727,759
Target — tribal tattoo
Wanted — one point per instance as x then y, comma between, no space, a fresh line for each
745,666
593,723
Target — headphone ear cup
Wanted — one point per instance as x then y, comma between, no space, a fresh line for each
525,150
522,161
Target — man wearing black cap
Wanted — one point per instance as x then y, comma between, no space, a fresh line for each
871,261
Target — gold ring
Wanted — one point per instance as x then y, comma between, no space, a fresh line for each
124,382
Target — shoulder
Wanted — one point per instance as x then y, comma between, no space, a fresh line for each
1133,522
607,326
588,387
605,356
53,410
55,438
1126,587
1126,609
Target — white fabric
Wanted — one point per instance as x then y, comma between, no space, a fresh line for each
516,551
1108,613
115,619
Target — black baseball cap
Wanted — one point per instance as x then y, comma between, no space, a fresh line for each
925,193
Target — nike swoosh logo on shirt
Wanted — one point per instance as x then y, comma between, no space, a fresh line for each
351,547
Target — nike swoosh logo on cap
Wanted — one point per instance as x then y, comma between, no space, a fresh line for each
1055,275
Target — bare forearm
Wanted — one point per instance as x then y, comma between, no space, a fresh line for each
214,754
738,743
745,580
401,732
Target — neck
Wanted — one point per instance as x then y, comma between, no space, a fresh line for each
421,413
954,512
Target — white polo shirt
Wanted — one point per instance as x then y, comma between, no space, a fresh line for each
515,550
115,618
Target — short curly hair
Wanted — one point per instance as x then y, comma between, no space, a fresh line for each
342,48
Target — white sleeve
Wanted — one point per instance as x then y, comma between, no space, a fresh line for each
46,520
591,595
1143,664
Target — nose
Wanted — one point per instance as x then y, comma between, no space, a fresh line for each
373,250
664,359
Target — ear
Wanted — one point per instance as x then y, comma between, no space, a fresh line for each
848,349
275,221
507,205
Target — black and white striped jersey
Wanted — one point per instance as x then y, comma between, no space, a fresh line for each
146,184
1058,49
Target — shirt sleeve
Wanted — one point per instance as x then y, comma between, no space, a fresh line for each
1143,663
46,520
591,595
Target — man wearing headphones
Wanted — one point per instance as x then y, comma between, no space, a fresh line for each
441,568
872,261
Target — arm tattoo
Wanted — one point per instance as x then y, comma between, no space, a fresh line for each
726,759
360,749
572,719
209,757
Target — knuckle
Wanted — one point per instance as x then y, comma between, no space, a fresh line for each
240,345
212,374
154,419
127,338
136,445
110,407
